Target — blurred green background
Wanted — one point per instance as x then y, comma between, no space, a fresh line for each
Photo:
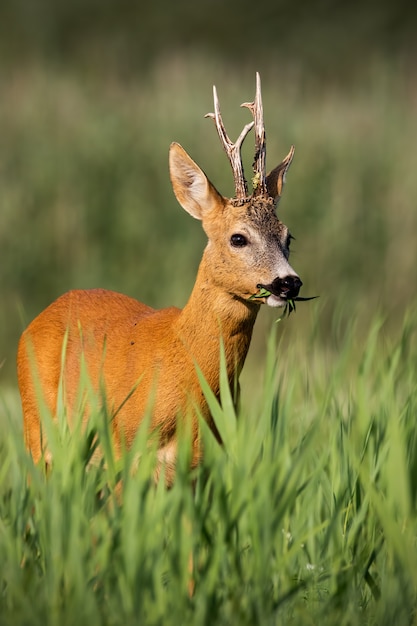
92,92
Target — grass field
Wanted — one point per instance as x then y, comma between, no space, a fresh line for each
308,513
306,516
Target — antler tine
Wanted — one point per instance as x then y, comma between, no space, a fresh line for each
232,149
259,164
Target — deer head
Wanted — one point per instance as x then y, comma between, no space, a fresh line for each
248,245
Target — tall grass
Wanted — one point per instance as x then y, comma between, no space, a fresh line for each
306,515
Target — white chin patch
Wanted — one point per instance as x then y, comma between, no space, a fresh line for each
275,301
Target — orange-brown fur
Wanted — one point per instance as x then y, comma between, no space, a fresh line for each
154,353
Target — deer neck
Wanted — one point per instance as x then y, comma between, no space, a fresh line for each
213,314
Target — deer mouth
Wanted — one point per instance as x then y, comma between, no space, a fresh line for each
279,292
286,288
271,290
286,296
276,300
266,295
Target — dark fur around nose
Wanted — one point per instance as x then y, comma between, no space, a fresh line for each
287,287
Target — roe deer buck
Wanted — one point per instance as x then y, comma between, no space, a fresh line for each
131,346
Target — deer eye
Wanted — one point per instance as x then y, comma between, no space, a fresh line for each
238,241
289,238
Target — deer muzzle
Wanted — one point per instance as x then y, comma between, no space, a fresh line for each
287,287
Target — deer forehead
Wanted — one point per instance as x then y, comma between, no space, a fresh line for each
261,214
258,216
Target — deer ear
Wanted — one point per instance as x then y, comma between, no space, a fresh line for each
276,179
192,188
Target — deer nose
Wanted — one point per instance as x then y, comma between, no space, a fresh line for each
287,287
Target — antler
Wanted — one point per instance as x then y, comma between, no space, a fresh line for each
259,164
232,149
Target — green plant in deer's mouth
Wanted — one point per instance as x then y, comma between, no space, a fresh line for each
289,306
